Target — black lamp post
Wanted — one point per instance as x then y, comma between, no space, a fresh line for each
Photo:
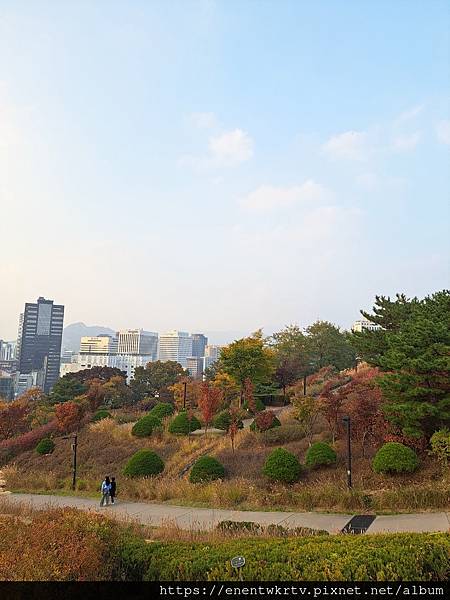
184,394
74,463
349,451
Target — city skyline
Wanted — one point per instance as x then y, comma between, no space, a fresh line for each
212,168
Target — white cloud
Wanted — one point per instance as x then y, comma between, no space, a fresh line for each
228,149
350,145
267,197
409,114
232,147
204,120
443,131
406,142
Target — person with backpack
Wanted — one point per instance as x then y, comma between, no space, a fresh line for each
112,490
105,489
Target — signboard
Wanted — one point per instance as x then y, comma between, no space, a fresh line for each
237,562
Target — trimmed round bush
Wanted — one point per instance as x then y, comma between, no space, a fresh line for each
260,406
162,409
145,426
394,457
100,415
263,423
206,468
223,421
182,424
320,454
144,463
45,446
282,465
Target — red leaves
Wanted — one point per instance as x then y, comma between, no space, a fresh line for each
264,420
209,401
69,416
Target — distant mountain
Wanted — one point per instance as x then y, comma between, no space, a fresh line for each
73,333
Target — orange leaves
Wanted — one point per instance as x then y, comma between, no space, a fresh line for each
69,416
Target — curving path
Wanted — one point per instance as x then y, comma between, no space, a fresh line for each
207,518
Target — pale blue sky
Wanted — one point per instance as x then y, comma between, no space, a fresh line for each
222,165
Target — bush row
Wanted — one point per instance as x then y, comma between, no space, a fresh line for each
388,557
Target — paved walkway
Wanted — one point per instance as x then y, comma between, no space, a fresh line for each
206,518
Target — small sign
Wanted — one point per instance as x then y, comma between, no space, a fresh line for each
237,562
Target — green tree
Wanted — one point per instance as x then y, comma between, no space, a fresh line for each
389,314
291,356
247,358
327,345
66,389
155,377
415,358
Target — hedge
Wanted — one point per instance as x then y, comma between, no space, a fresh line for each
282,465
45,446
394,457
145,426
381,557
100,415
320,454
206,468
144,463
182,424
162,409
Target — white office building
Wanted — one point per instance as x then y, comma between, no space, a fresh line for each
138,341
176,346
212,355
100,344
365,324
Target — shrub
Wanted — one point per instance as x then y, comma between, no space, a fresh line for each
45,446
290,432
182,424
223,421
282,465
101,414
206,468
319,454
387,557
395,458
240,526
13,446
144,463
440,446
145,426
265,421
162,409
259,404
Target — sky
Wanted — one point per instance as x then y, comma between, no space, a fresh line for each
222,165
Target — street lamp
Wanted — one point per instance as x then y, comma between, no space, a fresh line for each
349,451
74,463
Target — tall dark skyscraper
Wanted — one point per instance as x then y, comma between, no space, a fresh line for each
39,342
199,342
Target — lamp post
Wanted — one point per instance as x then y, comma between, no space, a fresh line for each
74,463
184,394
347,422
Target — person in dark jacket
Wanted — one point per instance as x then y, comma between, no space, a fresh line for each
112,489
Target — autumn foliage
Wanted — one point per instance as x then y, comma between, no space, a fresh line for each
69,416
209,401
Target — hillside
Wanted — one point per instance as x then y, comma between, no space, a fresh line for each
73,333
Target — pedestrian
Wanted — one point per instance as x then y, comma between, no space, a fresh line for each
105,489
112,490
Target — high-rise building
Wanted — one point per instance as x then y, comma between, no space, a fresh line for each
199,342
39,342
176,346
194,366
365,324
7,350
6,386
212,355
100,344
138,341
